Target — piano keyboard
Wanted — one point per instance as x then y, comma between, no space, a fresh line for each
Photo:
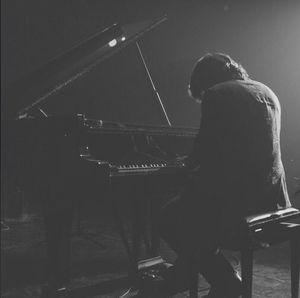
135,169
144,169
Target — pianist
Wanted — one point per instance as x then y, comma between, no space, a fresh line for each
235,169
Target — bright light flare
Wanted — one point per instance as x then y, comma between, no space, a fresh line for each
112,43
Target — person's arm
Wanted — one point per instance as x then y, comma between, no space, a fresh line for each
205,145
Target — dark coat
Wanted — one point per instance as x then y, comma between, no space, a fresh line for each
236,159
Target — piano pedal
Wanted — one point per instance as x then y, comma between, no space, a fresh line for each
149,269
151,281
150,263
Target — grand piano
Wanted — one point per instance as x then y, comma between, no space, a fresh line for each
56,153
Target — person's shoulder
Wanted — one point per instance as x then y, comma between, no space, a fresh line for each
262,91
225,87
258,85
242,86
237,83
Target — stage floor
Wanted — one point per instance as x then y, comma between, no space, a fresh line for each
99,265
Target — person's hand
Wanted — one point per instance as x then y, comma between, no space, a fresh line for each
181,159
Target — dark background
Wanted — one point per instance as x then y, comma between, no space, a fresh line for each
264,36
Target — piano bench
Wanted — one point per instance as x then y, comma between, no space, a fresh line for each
262,231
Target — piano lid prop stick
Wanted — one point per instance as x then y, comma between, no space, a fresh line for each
152,83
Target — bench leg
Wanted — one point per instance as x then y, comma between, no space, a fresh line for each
247,271
295,266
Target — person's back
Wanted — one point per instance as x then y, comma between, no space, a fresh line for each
241,148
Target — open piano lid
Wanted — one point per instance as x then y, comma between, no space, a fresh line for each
31,92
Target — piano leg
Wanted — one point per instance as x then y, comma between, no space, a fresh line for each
58,214
155,205
139,216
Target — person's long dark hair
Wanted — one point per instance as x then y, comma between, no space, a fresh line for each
212,69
